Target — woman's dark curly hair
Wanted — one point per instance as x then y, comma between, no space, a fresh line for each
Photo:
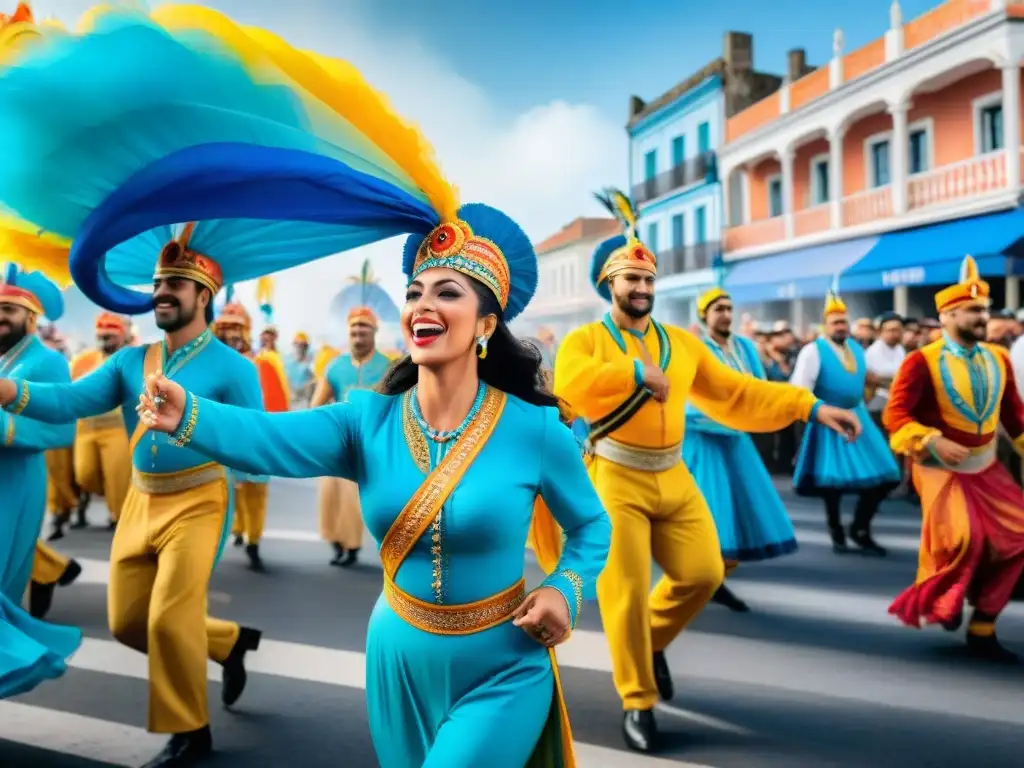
511,365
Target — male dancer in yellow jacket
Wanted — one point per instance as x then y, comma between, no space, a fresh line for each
630,378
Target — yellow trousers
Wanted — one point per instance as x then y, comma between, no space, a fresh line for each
61,492
659,514
160,564
341,515
250,511
49,564
102,465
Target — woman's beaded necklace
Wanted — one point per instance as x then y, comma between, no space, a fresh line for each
446,436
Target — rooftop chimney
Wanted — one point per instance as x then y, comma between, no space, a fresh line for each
738,51
796,64
636,106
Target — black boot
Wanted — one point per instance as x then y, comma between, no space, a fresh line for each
184,750
57,529
839,545
639,729
235,676
40,596
868,546
350,558
863,514
239,540
339,553
663,677
252,551
81,521
725,596
989,648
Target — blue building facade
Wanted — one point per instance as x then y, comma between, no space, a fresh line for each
674,184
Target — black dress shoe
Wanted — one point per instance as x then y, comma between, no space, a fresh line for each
988,648
238,540
839,545
81,522
184,750
350,558
235,676
252,551
868,546
663,677
639,729
726,597
339,553
40,596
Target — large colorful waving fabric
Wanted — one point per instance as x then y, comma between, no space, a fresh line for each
128,128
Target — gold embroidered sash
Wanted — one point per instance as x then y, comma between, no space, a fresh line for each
425,505
150,365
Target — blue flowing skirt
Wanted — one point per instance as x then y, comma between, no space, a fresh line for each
827,461
751,519
31,650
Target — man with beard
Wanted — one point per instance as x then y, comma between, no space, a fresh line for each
945,409
299,368
170,534
834,368
341,516
750,518
631,378
233,328
911,333
102,463
30,651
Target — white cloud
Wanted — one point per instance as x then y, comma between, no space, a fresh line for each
540,166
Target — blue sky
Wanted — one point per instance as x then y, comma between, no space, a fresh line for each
601,52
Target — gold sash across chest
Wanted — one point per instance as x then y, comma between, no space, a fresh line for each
416,518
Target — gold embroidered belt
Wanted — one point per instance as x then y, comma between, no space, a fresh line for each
176,482
465,619
642,459
110,420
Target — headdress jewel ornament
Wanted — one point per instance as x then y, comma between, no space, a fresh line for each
620,252
970,288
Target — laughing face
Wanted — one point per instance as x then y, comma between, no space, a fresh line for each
440,319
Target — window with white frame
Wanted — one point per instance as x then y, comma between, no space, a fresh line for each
920,146
774,195
819,180
876,152
988,123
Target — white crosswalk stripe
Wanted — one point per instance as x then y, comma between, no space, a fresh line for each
126,745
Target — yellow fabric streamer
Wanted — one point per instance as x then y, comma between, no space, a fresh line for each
335,84
265,291
21,243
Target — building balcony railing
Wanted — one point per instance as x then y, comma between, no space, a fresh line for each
688,258
701,168
955,184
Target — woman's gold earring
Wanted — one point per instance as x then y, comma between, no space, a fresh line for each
481,347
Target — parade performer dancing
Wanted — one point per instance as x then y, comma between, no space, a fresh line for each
750,518
631,378
341,517
241,155
299,367
945,408
102,463
30,650
234,328
834,369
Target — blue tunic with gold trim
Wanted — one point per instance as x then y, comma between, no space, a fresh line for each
751,519
31,651
446,671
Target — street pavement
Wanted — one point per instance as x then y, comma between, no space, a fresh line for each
817,676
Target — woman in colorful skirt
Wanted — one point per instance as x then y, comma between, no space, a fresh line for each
751,519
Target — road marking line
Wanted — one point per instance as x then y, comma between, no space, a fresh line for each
705,720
